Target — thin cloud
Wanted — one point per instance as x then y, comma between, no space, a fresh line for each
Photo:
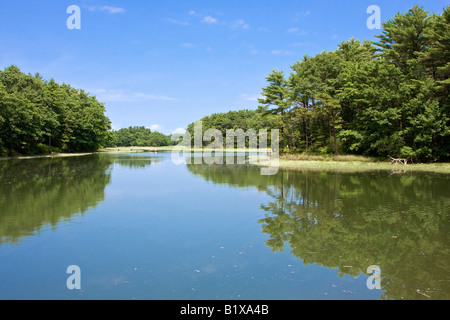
247,97
212,20
239,24
126,96
209,20
177,22
109,9
297,31
251,49
301,15
281,52
302,44
306,13
188,45
179,131
156,127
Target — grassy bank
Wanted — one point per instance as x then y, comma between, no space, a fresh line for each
353,163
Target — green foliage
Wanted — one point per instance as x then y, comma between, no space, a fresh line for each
233,120
407,152
139,137
38,116
351,140
375,99
402,40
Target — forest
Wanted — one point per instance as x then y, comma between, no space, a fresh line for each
39,116
375,98
139,137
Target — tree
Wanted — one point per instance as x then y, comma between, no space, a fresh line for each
418,44
139,136
390,97
242,119
21,129
402,39
276,98
314,84
38,116
436,60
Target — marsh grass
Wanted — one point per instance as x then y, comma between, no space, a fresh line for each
352,163
340,158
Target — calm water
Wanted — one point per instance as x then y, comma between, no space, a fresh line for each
141,227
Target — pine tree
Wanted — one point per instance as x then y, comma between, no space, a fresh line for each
276,99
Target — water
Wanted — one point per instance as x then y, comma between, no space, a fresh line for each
140,227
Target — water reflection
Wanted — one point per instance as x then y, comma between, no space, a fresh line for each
133,161
39,192
350,221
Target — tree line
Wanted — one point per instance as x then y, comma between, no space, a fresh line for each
374,98
139,137
233,120
39,116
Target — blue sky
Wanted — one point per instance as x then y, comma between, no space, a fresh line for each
163,63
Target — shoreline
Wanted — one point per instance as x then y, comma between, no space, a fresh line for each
349,163
289,162
358,166
56,155
169,148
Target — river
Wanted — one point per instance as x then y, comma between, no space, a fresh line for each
139,226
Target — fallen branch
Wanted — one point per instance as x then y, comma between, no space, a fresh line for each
399,160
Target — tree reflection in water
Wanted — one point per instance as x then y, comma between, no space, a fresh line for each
46,191
352,220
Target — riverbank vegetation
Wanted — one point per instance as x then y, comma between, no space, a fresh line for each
355,164
39,116
388,97
139,136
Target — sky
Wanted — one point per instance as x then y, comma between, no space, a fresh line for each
164,64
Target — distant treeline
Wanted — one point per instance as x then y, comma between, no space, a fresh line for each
39,116
233,120
139,136
390,97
